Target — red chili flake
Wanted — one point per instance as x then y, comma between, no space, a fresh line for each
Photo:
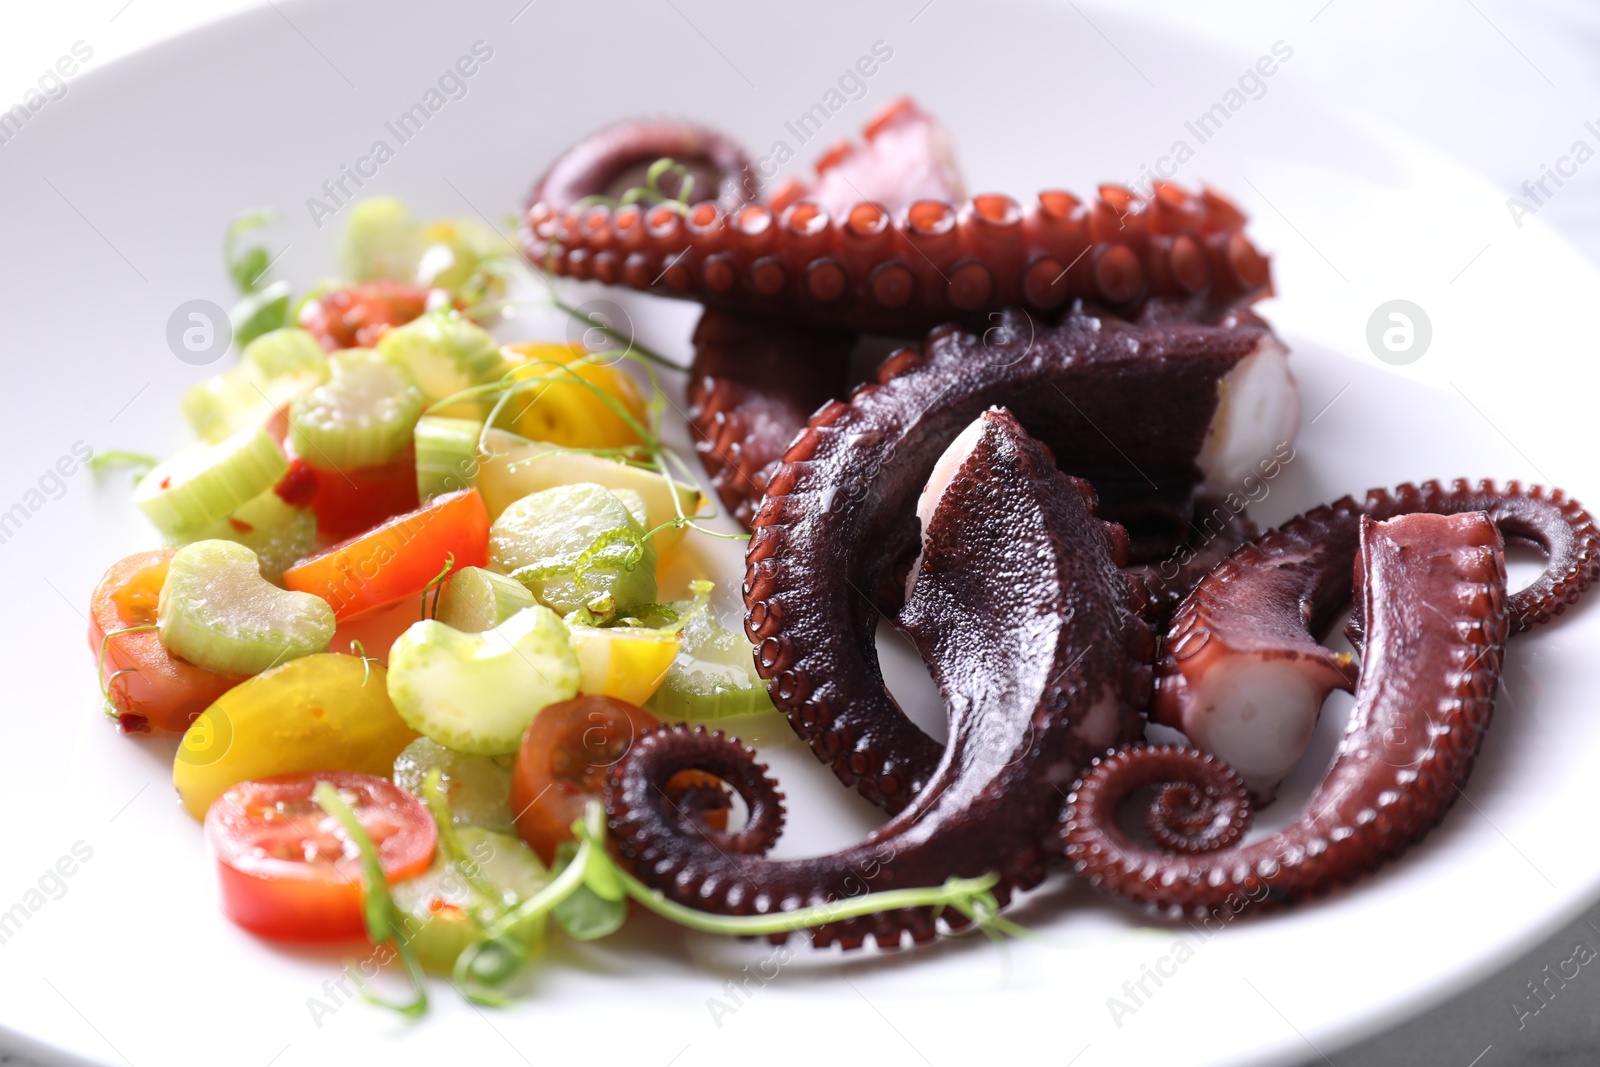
298,485
133,723
240,525
166,483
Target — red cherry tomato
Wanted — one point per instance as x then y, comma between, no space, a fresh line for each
288,870
349,500
163,692
356,317
397,560
565,756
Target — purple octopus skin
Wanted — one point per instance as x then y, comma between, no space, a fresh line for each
1434,616
613,160
1242,672
1020,612
838,522
752,386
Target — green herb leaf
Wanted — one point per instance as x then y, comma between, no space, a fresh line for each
586,915
246,265
260,312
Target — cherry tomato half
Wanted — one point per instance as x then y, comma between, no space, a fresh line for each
565,756
352,500
163,692
398,559
289,872
356,317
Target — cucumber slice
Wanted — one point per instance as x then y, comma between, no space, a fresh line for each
273,369
478,787
512,467
205,483
217,611
474,600
447,455
446,354
477,693
444,912
381,240
278,533
713,677
576,546
361,418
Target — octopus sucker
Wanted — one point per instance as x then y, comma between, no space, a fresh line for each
1020,612
752,386
1434,617
1242,672
839,519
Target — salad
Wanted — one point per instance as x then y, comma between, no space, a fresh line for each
417,588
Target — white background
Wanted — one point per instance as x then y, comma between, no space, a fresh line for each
1505,87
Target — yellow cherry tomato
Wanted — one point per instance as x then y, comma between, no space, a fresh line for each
325,712
624,662
572,403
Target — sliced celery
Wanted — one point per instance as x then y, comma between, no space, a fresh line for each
205,483
278,533
285,352
474,600
273,369
382,240
446,354
445,908
714,675
511,467
576,546
362,417
477,693
478,787
217,611
447,455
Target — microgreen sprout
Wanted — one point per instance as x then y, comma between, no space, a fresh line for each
498,955
436,584
110,705
384,920
139,463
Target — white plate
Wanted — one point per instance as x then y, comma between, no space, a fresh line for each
116,198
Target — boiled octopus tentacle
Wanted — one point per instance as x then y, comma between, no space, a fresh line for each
1431,597
901,273
752,386
838,521
1243,673
1018,608
1160,586
885,242
611,161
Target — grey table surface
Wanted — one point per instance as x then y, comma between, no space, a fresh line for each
1506,88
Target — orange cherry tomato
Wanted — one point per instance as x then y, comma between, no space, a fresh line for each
357,316
163,692
377,630
397,560
562,764
289,872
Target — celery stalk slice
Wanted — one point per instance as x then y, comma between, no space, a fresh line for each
362,417
205,483
217,611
